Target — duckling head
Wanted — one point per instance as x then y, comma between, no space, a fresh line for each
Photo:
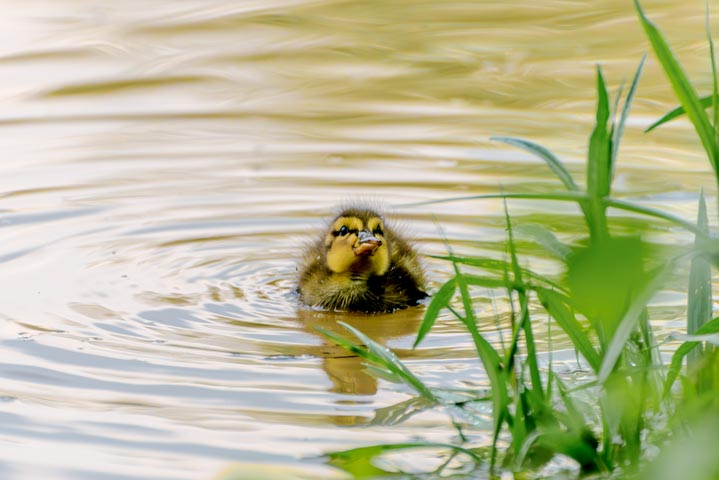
357,244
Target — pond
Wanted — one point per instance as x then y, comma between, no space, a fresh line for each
164,164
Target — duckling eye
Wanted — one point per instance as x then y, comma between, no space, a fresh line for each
344,230
377,230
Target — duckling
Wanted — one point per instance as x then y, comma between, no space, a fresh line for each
361,265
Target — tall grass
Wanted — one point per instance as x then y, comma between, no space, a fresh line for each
601,305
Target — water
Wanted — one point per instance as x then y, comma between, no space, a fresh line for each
165,162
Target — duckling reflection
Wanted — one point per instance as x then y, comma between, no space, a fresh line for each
347,371
361,264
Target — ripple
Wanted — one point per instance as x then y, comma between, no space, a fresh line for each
115,86
165,162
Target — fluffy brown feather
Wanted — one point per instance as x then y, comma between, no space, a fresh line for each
361,264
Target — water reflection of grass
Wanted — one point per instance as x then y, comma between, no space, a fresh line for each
632,406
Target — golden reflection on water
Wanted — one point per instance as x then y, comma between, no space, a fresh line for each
346,371
164,162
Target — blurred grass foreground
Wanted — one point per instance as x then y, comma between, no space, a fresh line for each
636,414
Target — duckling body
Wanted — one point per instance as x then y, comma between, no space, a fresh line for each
361,265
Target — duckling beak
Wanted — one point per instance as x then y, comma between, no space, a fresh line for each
366,244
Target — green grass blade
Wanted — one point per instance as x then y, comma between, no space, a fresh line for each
699,307
481,262
682,88
653,212
712,338
516,269
392,415
652,358
684,349
546,239
491,361
715,85
525,324
553,303
376,353
625,112
614,111
579,198
379,366
492,264
478,281
439,301
574,417
390,361
599,166
360,462
564,432
558,196
599,162
489,356
629,321
705,102
363,352
552,161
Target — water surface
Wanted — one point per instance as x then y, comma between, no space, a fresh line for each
165,162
